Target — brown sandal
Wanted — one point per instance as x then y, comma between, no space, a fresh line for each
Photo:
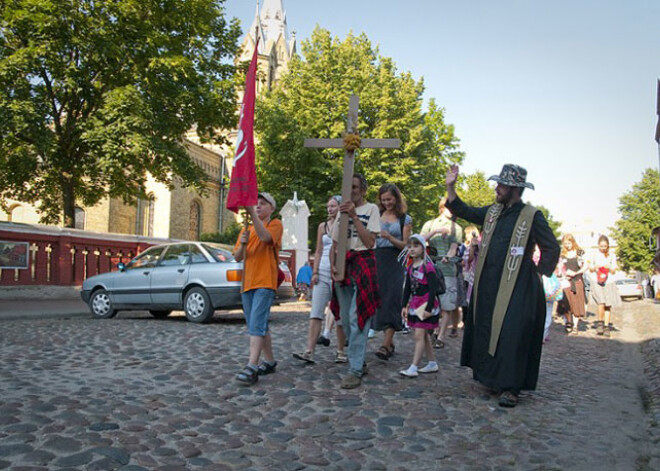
383,353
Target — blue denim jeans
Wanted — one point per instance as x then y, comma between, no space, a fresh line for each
256,308
357,339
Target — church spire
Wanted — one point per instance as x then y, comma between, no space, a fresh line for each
256,30
273,19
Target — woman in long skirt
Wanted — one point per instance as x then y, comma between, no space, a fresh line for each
395,226
572,269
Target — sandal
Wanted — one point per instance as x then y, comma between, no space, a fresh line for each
569,327
307,357
383,353
439,344
266,368
248,376
453,333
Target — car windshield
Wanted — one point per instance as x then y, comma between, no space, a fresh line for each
146,259
220,254
626,282
176,255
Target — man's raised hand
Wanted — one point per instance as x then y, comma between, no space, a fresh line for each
452,175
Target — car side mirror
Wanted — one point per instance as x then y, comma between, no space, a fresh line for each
121,266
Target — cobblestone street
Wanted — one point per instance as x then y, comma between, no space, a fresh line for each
135,393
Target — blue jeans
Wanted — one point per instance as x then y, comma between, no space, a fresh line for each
256,308
357,339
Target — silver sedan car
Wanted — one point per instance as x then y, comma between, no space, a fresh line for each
198,277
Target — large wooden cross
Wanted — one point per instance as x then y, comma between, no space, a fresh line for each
347,181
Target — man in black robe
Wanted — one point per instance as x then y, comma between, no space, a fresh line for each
505,318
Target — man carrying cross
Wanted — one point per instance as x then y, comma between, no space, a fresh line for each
357,293
354,238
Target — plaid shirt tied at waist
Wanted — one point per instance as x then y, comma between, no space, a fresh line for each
361,271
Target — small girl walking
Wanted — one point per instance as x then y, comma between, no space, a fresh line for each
421,307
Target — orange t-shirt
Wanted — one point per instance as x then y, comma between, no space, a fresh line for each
260,268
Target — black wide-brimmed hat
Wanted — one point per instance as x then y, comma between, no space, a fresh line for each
512,175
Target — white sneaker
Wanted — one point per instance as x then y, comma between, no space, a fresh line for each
411,372
431,367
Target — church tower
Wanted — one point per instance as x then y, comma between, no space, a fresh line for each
276,46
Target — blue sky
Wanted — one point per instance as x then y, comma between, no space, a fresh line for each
565,88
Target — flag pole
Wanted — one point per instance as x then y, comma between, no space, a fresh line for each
657,126
246,216
246,227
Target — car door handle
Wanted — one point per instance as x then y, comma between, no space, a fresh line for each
181,270
145,273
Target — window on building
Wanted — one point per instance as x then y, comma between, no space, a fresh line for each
79,218
195,221
145,216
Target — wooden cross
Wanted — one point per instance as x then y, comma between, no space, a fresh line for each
347,180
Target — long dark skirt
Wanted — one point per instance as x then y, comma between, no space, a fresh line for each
390,283
515,366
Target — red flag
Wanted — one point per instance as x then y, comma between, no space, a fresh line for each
657,126
243,184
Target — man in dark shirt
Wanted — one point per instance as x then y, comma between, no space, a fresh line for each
505,319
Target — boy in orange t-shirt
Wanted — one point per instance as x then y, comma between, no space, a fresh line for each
259,246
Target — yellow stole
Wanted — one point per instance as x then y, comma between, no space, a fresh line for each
519,238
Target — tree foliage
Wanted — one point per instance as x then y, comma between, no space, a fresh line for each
96,93
228,236
640,213
554,225
311,100
475,190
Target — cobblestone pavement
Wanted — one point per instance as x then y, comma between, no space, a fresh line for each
135,393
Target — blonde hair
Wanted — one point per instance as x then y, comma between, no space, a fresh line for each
468,232
442,204
569,237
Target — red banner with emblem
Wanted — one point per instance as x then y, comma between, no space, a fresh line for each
243,183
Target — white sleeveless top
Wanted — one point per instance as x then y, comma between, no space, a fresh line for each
325,256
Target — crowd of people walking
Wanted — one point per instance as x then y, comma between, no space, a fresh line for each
501,277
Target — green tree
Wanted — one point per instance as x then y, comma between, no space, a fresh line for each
475,190
640,213
554,225
311,100
95,94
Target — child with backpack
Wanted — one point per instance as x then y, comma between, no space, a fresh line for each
421,307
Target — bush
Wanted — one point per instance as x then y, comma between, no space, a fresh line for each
228,236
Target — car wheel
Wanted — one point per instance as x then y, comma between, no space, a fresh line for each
160,314
197,306
101,305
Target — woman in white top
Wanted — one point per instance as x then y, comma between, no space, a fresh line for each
604,291
322,289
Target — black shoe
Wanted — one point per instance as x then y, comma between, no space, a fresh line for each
266,368
248,376
325,341
508,399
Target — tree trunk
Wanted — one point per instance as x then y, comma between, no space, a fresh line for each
68,204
